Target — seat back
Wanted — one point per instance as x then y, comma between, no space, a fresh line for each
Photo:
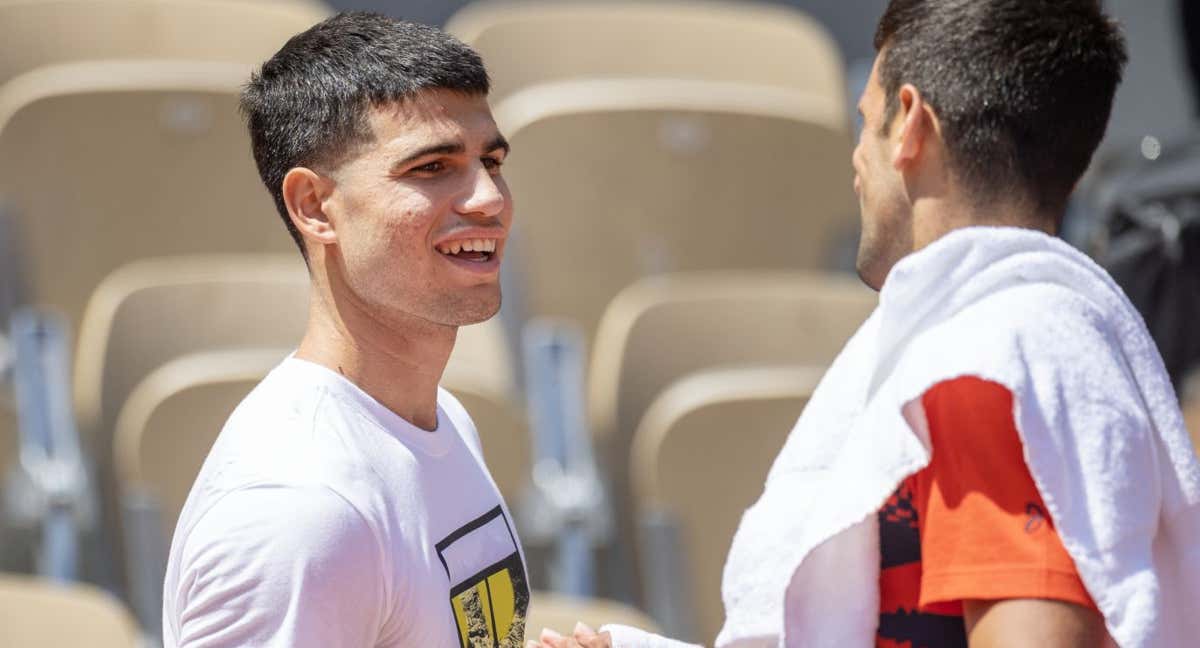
36,33
652,177
526,43
1191,409
700,457
171,419
37,613
107,163
663,328
154,310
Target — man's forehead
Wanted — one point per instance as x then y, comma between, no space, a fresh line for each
435,107
434,114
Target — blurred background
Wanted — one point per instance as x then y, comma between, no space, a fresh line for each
679,277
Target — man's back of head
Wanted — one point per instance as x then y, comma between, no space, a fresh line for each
979,112
1023,88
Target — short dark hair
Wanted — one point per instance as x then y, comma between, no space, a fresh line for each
1023,88
309,104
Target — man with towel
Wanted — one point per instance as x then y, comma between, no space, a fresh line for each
997,457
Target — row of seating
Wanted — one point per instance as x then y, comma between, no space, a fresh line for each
685,161
632,135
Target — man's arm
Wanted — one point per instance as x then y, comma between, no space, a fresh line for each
1032,622
280,566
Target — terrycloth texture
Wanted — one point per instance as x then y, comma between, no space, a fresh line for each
627,637
1103,438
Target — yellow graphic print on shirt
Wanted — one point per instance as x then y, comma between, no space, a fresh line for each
488,591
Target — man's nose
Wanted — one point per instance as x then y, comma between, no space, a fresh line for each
484,197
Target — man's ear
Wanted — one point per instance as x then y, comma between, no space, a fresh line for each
916,124
304,193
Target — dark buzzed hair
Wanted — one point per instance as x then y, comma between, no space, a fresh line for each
1023,88
309,104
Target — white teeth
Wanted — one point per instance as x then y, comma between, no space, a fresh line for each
473,245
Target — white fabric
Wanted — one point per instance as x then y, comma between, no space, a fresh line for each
1103,437
316,521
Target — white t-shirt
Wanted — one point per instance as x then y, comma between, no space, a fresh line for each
321,518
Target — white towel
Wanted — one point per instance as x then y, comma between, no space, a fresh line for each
1103,437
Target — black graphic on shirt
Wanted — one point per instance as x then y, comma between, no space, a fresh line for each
489,594
900,546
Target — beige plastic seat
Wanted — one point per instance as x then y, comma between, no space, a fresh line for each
35,33
560,613
38,614
107,163
528,43
167,426
700,458
154,310
663,328
1190,394
623,179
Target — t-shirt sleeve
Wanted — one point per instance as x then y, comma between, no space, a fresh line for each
281,566
985,531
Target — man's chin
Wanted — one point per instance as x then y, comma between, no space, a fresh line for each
477,308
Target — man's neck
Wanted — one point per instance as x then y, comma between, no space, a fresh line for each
398,363
934,218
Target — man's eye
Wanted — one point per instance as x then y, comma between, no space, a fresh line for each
432,167
492,163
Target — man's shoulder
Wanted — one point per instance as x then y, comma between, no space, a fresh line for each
311,517
1035,316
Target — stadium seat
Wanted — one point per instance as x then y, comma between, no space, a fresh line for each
533,42
167,426
560,613
663,328
35,33
622,179
105,163
1191,412
37,614
700,458
163,433
151,311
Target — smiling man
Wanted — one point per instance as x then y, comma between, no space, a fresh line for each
346,501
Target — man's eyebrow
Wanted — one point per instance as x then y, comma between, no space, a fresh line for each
450,148
498,143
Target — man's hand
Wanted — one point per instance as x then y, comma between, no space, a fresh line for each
582,637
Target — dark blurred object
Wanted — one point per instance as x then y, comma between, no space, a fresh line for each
1148,238
1191,42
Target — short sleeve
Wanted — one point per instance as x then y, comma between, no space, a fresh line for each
985,532
281,566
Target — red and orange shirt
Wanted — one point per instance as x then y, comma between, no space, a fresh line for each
971,525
